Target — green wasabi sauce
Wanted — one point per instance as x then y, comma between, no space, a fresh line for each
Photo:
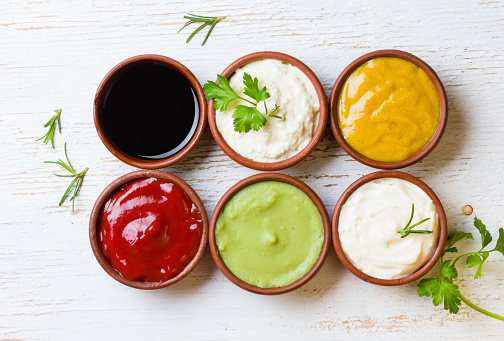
269,234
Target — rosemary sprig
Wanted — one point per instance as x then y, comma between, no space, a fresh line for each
52,123
206,21
76,182
408,228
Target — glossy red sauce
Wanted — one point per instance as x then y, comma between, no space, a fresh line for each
149,230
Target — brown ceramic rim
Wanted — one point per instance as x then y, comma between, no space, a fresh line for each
425,150
272,166
441,237
95,213
280,178
102,93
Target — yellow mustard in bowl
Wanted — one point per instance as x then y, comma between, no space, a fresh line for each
388,109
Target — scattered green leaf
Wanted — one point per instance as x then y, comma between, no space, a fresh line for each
54,122
76,182
500,242
442,288
206,21
486,237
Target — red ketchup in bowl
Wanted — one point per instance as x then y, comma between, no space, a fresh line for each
149,230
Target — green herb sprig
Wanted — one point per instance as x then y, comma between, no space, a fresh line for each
245,117
408,228
206,21
442,288
76,182
52,123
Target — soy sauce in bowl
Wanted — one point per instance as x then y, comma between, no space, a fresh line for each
150,111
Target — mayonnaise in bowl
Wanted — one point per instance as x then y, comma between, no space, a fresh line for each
370,221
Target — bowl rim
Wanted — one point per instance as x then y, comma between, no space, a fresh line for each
102,93
317,136
95,213
441,236
427,148
280,178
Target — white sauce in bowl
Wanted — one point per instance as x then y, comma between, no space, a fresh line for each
299,107
369,223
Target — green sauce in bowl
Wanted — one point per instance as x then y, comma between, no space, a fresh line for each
269,234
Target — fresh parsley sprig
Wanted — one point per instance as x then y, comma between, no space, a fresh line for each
245,117
408,228
206,21
76,182
52,123
442,289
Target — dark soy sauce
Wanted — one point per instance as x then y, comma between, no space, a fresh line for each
151,111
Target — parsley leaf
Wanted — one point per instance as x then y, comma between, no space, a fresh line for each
442,288
252,88
486,237
448,270
477,259
428,286
449,293
500,242
221,93
458,236
246,118
451,240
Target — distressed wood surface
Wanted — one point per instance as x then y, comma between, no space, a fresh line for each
53,54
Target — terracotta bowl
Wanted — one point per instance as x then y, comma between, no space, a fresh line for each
95,214
104,89
270,177
272,166
441,237
334,99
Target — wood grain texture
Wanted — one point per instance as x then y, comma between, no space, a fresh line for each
54,54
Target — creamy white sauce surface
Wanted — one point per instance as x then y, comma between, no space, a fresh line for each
369,223
279,139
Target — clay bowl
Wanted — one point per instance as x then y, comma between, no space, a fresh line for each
334,99
441,237
93,227
272,166
101,97
280,178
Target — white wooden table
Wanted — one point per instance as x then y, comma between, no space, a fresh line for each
54,53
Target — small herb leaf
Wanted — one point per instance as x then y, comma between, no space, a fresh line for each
409,228
76,182
246,118
440,290
207,21
473,260
450,294
221,93
252,88
450,250
477,259
500,242
486,237
458,236
52,123
428,286
448,270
